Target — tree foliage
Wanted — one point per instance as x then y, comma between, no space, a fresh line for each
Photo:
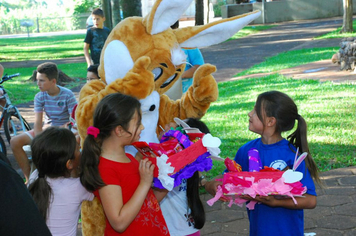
47,15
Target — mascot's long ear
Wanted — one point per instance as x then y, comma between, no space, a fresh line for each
213,33
164,13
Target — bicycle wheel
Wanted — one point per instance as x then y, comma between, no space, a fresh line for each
13,126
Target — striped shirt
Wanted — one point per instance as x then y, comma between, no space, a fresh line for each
57,108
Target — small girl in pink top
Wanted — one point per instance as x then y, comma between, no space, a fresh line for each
55,185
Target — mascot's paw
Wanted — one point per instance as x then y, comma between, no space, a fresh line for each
93,218
139,82
204,88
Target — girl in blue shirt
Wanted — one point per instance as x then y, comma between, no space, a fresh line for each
274,113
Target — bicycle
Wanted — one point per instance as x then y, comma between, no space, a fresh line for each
11,118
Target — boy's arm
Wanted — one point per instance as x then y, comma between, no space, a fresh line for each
38,123
86,54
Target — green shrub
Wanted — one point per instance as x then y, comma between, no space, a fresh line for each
217,7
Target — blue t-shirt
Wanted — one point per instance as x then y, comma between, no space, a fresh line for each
275,221
96,38
194,57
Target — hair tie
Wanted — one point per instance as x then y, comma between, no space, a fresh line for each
93,131
41,175
298,117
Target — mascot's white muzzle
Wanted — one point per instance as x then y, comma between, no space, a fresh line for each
150,109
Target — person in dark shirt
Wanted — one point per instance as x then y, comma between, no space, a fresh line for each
95,38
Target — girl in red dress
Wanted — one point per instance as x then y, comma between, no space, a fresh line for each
122,184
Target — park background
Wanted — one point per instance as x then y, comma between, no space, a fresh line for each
328,107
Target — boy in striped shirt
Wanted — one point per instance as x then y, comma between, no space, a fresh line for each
54,100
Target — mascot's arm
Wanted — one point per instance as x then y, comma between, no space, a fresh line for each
195,102
138,82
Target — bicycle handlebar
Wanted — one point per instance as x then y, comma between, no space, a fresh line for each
8,77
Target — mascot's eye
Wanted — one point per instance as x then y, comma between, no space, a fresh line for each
157,72
168,81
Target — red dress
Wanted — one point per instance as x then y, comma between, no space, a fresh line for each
149,220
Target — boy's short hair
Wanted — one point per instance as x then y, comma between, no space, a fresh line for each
50,69
98,12
94,69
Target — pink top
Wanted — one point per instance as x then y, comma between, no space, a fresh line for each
64,208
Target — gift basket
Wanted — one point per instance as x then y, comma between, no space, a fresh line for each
180,153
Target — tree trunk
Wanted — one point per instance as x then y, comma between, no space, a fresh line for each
199,12
347,20
106,7
116,17
131,8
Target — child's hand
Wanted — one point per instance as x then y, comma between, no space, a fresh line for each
212,186
166,128
146,171
267,200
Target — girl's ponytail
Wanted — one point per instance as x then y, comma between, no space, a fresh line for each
299,139
194,201
41,193
89,176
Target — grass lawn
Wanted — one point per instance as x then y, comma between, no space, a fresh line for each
329,110
290,59
336,33
41,48
64,46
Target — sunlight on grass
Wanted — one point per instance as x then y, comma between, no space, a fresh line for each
51,47
290,59
336,33
329,109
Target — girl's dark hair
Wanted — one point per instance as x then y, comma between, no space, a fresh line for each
112,111
51,150
194,202
282,107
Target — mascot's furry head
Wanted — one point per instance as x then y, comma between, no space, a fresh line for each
142,57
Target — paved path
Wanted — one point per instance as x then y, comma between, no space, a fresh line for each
335,214
235,56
